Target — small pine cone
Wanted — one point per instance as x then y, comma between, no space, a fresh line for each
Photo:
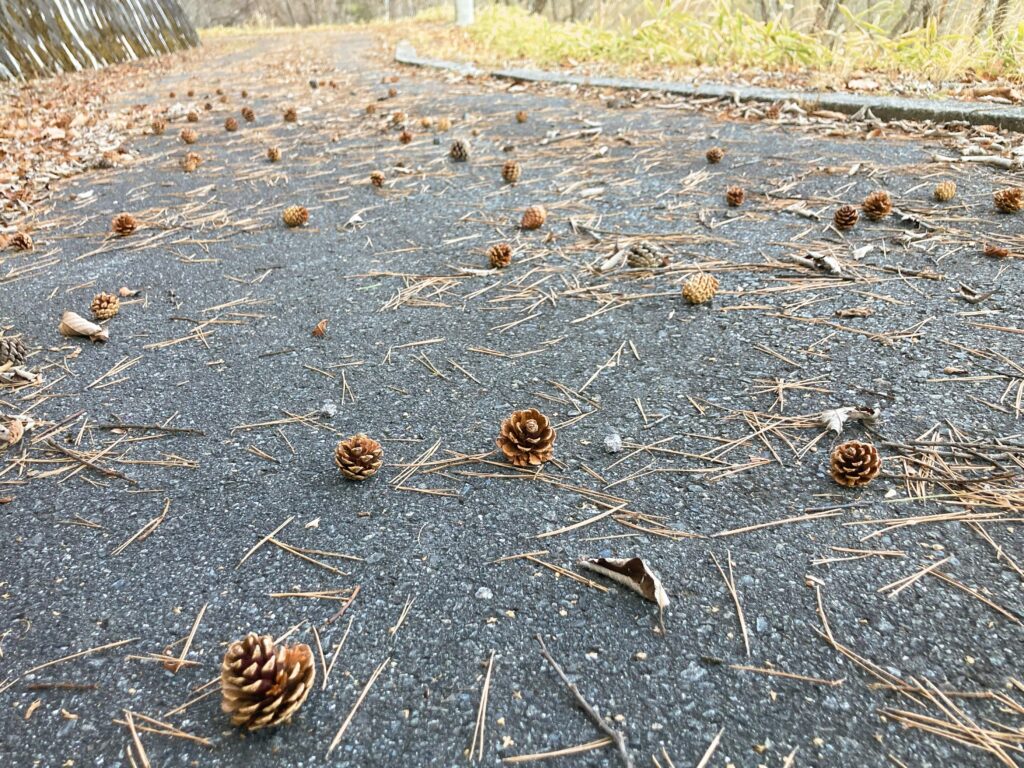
263,684
190,162
192,117
21,241
377,178
105,306
244,94
371,109
159,126
645,255
534,217
359,457
208,107
1009,200
291,115
230,125
273,154
735,196
500,255
877,205
527,438
425,122
854,463
191,93
715,155
459,151
123,224
248,114
397,118
845,217
392,93
405,137
945,191
773,111
444,124
996,251
12,351
188,135
521,116
511,171
219,91
295,215
700,289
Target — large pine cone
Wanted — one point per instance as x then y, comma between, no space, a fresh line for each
845,217
124,224
700,289
262,684
877,205
511,171
527,438
12,351
1009,200
459,151
295,215
534,217
855,463
645,255
105,306
359,457
499,255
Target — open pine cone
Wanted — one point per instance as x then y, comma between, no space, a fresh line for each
377,178
459,151
534,217
735,196
192,117
105,306
188,135
273,154
527,438
263,684
877,205
405,137
700,289
1010,200
190,162
511,171
230,124
248,114
645,255
291,115
159,125
854,463
12,351
499,255
358,457
996,251
845,217
443,124
714,155
295,215
945,191
21,241
123,224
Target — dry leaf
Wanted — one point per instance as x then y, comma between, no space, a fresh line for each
633,573
835,418
72,324
321,329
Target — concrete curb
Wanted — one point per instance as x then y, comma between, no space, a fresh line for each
883,107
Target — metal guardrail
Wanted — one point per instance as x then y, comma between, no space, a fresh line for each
43,37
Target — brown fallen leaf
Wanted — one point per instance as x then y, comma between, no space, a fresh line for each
630,572
321,329
855,312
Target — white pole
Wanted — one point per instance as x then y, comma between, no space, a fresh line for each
463,12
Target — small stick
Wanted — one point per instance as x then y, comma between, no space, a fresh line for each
617,738
352,713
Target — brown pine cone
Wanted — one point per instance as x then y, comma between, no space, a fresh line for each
1009,200
12,351
371,109
854,463
700,289
398,118
444,124
21,241
459,151
714,155
244,93
511,171
735,196
645,255
359,457
996,251
534,217
405,137
192,117
377,178
208,107
527,438
773,111
845,217
291,115
273,154
521,116
945,191
392,93
263,684
426,122
159,125
230,125
190,162
877,205
188,135
105,306
248,114
295,215
123,224
499,255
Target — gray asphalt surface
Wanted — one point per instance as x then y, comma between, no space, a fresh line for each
220,240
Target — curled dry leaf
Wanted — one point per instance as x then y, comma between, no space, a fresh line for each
321,329
126,293
631,572
72,324
835,418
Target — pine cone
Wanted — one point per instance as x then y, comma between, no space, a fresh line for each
996,251
377,178
188,135
12,351
295,215
190,162
945,191
527,438
773,111
500,255
192,117
735,196
159,126
358,457
262,684
845,217
521,116
1009,200
426,122
715,155
371,109
248,114
405,137
877,205
208,107
244,93
854,463
123,224
21,241
398,118
291,115
105,306
459,151
511,171
273,154
700,289
444,124
230,125
534,217
645,255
